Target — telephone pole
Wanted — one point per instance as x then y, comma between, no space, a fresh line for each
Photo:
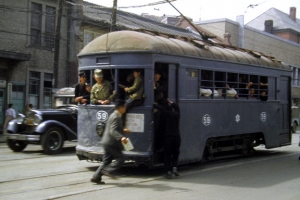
114,16
57,43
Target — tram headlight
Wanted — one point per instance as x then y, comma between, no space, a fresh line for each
100,127
20,118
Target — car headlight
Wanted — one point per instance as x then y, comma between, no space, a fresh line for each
37,119
34,120
20,118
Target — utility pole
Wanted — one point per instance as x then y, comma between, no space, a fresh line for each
114,16
57,43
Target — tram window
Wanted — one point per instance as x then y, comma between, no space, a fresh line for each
243,81
220,84
232,85
253,89
263,88
108,75
206,83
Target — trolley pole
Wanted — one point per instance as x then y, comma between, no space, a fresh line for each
114,16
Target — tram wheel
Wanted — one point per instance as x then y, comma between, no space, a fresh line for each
53,141
16,145
294,127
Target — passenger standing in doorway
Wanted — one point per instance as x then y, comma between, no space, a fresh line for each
160,88
136,91
171,115
101,93
9,115
82,96
111,141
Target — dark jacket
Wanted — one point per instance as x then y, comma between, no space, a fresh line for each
171,119
81,91
113,131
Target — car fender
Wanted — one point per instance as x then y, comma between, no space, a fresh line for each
12,126
44,126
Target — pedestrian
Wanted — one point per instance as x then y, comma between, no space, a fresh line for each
29,108
111,141
9,115
170,113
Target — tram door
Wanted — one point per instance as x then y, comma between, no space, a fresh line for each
285,136
172,85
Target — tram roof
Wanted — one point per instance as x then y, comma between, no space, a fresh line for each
121,41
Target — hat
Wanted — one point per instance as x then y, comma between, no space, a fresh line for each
82,73
98,73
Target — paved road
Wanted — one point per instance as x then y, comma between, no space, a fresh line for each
269,174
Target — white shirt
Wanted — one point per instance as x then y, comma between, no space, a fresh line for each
11,112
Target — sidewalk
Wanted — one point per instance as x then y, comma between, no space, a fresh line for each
2,140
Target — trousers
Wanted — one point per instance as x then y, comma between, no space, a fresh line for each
171,152
110,153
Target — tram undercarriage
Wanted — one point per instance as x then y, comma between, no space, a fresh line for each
224,146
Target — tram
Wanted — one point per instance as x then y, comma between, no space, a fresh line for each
209,83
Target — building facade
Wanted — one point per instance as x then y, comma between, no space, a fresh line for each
283,47
27,50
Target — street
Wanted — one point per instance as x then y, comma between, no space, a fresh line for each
268,174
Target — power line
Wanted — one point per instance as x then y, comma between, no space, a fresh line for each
149,4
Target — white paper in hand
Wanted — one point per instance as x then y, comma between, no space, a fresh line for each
128,146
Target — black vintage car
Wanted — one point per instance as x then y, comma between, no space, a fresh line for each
48,127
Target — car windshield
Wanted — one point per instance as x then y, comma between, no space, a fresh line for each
63,101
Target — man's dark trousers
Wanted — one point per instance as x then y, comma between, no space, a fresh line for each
110,153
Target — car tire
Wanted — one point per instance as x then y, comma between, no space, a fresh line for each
16,145
294,127
53,141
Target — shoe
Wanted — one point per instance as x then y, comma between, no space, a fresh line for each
169,175
175,172
106,173
98,181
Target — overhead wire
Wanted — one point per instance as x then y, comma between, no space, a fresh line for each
19,9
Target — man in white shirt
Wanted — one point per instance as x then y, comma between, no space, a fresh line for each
9,114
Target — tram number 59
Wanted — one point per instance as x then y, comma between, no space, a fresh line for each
102,115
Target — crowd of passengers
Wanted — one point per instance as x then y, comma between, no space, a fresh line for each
242,89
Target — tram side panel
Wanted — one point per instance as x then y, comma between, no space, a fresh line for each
202,120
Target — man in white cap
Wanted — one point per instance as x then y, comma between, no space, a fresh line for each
101,93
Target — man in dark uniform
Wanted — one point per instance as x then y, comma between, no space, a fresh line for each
171,115
111,141
82,96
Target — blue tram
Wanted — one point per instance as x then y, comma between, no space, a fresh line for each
231,99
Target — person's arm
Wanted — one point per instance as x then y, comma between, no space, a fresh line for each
93,98
77,97
138,82
13,113
114,129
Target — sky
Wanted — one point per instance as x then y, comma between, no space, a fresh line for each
200,10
